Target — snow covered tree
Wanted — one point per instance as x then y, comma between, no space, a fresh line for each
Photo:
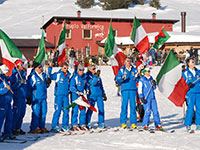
115,4
155,3
85,3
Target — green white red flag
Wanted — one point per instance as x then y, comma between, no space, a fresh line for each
139,37
40,57
61,45
10,52
113,52
161,38
170,81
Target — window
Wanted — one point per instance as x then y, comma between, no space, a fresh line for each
87,34
115,32
68,34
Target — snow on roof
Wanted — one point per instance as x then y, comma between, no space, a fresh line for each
175,37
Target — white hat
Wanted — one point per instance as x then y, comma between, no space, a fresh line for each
4,69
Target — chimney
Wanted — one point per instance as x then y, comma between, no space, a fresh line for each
78,13
153,16
183,21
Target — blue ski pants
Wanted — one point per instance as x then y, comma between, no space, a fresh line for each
193,99
128,96
151,105
60,104
6,114
100,106
19,110
82,116
39,108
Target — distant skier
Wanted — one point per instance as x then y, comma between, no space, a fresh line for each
5,104
37,92
192,78
77,87
19,87
146,87
127,77
97,94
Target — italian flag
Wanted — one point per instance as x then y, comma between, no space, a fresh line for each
170,81
40,57
161,38
61,46
82,102
111,50
139,37
10,52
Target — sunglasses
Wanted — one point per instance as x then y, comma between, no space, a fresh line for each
128,60
81,69
93,68
193,62
64,67
40,67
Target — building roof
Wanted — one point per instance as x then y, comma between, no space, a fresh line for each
179,38
105,20
31,43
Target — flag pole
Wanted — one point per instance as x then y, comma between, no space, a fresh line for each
18,72
6,85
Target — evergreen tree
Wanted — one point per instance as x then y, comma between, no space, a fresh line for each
155,3
85,3
115,4
138,2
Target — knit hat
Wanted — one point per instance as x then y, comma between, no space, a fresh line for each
4,69
18,62
35,65
80,68
145,70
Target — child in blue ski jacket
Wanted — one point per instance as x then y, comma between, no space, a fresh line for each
77,87
61,92
127,78
38,84
146,87
192,77
5,104
95,93
19,87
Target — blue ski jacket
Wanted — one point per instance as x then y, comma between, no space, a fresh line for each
144,86
131,78
61,82
189,77
94,85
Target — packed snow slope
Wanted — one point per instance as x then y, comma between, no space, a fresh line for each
23,18
171,117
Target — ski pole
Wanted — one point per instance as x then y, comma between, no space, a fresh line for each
148,91
6,85
196,80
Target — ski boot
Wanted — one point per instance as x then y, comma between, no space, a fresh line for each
198,127
14,132
55,130
159,128
146,128
75,128
123,125
188,128
21,132
134,126
37,131
83,128
65,129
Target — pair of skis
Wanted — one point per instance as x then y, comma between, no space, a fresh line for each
21,139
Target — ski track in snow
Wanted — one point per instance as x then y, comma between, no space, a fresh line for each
171,117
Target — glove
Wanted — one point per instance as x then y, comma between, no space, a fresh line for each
88,92
191,85
124,77
104,97
153,82
28,100
79,93
142,100
48,81
22,81
97,74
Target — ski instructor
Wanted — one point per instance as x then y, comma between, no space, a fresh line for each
127,77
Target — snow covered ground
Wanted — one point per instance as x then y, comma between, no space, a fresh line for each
23,18
171,117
